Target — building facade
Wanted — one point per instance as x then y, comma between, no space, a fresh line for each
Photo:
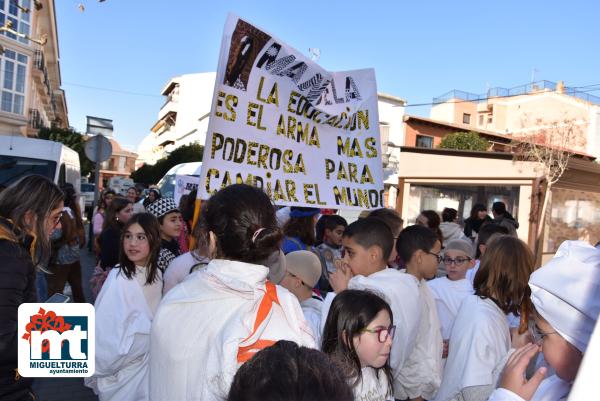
525,111
30,82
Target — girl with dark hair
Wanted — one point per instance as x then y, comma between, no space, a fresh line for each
299,230
67,241
26,223
358,336
153,195
430,219
221,315
478,216
98,220
288,372
125,308
481,326
118,213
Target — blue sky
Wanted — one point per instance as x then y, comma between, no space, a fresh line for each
419,49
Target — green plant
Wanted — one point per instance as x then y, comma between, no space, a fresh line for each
464,141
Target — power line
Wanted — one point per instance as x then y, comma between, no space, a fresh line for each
124,92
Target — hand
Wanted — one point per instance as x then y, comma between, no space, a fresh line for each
519,340
513,377
445,349
340,278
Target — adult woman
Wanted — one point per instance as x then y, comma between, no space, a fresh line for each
26,223
134,196
118,213
67,241
478,216
220,316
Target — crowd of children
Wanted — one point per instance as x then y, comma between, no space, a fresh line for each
249,299
315,308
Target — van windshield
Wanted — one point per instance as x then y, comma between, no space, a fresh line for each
13,167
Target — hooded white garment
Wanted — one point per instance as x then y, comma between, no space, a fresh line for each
180,268
566,293
478,348
448,296
401,291
311,308
586,383
202,323
124,312
451,231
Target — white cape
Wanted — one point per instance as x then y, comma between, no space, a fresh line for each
123,321
479,346
201,323
551,389
449,296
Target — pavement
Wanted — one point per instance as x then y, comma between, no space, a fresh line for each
69,389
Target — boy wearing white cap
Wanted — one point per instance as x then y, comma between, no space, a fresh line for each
449,292
566,295
302,273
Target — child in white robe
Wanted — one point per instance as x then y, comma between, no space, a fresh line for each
416,358
480,340
358,335
566,296
221,315
450,291
125,308
302,273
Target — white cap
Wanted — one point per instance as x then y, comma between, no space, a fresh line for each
566,291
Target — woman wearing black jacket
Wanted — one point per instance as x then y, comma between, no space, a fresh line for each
26,223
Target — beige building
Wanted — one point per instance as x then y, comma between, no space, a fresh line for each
436,178
525,110
30,81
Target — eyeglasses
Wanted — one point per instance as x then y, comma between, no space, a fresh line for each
382,333
437,255
457,261
536,334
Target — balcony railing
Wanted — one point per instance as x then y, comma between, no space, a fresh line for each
35,119
539,86
40,64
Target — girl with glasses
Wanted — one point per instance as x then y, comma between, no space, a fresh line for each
125,309
358,335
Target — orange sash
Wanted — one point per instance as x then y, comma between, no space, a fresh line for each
266,304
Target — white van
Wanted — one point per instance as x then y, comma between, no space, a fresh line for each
166,185
21,156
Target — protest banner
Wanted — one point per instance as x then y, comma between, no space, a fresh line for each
306,136
184,184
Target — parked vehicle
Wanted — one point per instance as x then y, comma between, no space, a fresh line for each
166,185
22,156
87,193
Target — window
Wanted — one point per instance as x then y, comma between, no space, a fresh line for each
21,21
424,141
14,71
490,118
481,119
466,118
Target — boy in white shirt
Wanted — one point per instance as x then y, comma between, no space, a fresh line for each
367,246
450,291
302,273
